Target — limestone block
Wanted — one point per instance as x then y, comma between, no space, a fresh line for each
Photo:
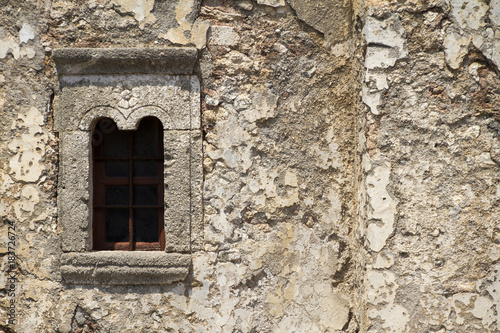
187,30
196,172
73,191
177,190
223,35
195,107
123,267
28,148
126,99
173,60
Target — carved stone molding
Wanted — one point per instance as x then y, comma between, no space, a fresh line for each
130,268
127,85
174,100
173,61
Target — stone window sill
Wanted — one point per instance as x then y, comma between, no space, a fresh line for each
124,268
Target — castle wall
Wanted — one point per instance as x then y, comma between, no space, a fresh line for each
431,166
279,250
350,166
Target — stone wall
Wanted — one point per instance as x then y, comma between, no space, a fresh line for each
350,157
432,176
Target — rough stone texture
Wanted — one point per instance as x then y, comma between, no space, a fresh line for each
197,239
331,17
431,196
178,218
187,31
140,9
350,164
124,268
223,35
126,99
174,60
126,23
74,190
278,200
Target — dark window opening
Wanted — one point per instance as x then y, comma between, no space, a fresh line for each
128,186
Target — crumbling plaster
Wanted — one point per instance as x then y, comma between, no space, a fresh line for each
278,162
350,163
431,126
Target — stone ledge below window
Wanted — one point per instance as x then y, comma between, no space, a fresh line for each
124,268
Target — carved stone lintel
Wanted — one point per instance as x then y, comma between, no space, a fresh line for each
127,85
173,60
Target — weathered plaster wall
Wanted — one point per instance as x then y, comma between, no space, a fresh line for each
432,167
351,157
29,160
280,137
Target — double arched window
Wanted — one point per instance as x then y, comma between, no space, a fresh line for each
130,166
127,191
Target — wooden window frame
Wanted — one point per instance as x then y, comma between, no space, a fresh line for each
100,180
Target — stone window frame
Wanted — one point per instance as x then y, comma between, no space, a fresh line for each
126,85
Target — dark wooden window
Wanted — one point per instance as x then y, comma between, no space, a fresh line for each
128,186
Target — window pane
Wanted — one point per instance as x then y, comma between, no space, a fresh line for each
116,144
114,153
116,225
116,168
116,195
146,138
146,225
145,168
146,195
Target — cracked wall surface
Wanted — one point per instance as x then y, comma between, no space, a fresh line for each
351,165
431,174
279,139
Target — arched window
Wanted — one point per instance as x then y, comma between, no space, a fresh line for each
114,183
127,192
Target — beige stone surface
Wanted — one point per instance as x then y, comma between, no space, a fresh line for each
186,31
331,17
432,126
140,9
345,168
126,99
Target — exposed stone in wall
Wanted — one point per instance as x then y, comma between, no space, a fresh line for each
279,125
258,161
431,125
14,44
141,10
342,193
96,23
188,31
474,24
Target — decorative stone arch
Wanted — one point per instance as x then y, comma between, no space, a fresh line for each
122,122
97,83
